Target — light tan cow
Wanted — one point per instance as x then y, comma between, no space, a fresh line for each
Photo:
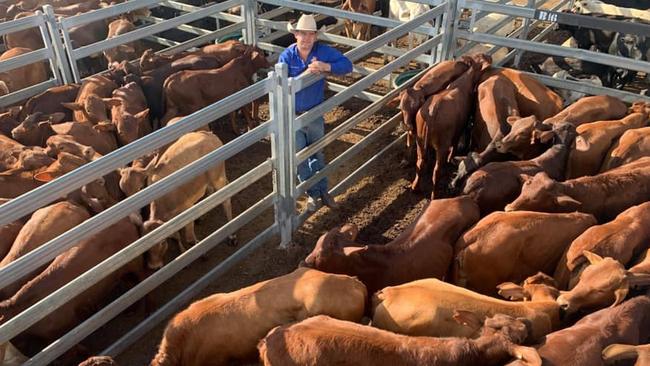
594,140
426,308
224,328
516,247
633,145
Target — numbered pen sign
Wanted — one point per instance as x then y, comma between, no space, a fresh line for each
547,16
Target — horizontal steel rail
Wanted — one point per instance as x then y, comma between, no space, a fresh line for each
195,289
20,95
403,60
43,195
135,249
17,25
150,30
109,12
190,8
24,59
370,19
202,40
183,27
365,95
585,55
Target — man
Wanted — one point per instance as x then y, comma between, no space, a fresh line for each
309,55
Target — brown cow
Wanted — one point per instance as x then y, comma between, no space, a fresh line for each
130,114
633,145
426,308
436,79
123,52
49,101
190,90
497,184
25,76
622,239
519,245
595,139
29,38
441,120
89,105
423,250
35,129
226,51
604,282
9,120
185,150
604,195
528,130
100,136
583,343
497,99
9,232
224,328
360,31
66,267
619,352
539,287
45,224
65,143
326,341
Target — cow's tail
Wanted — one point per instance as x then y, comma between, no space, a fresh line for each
166,356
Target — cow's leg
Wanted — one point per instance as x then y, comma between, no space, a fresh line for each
249,115
441,159
233,123
347,26
419,164
188,237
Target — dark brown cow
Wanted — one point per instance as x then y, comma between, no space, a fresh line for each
66,267
441,120
326,341
9,120
497,184
622,239
436,79
604,195
583,343
423,250
190,90
49,101
226,51
516,244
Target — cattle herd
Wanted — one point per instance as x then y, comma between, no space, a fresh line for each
550,210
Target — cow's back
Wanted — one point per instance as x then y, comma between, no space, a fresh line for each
632,145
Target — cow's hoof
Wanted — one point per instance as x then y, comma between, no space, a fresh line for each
232,241
403,163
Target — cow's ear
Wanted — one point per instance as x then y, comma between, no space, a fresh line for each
620,293
467,318
582,144
44,176
524,178
592,257
142,115
512,291
57,117
112,102
104,127
73,106
512,119
568,202
527,356
350,232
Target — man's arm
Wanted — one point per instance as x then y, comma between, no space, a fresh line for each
339,64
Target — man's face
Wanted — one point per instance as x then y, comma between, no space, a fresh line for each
305,40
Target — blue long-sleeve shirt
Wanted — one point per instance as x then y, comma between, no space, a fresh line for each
314,94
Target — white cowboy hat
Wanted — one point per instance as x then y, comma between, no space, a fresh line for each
307,22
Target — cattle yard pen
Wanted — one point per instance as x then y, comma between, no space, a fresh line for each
279,128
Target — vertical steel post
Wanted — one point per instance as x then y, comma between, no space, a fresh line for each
436,54
449,39
284,152
524,33
72,61
59,52
249,9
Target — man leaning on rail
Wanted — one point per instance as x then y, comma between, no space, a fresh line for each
309,55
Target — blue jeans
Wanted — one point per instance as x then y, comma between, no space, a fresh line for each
305,137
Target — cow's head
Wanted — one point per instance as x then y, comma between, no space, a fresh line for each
63,164
133,178
155,256
518,141
128,126
94,107
603,283
330,248
541,193
65,143
34,158
259,59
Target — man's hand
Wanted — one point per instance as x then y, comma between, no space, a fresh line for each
318,67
